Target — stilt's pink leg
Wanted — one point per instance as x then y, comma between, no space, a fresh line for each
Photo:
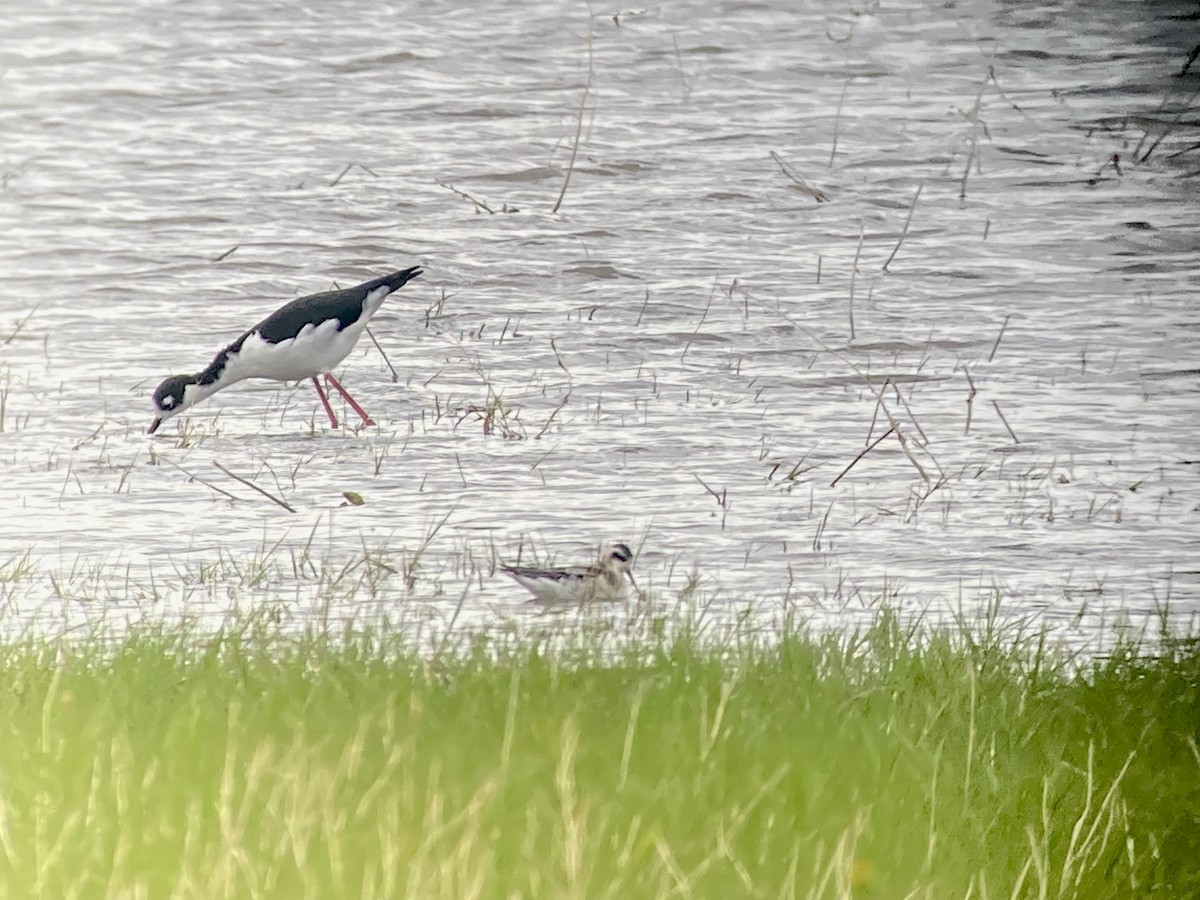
325,402
329,379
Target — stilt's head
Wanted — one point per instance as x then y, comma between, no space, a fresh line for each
172,397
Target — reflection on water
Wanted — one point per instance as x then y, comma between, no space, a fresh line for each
690,356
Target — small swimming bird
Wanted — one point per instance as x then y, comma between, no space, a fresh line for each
587,584
302,339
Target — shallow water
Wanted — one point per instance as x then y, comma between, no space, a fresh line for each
670,359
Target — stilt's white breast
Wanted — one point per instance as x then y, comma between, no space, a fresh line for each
316,349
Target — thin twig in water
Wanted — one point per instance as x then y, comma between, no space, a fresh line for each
875,414
907,221
254,487
587,87
1171,125
817,194
562,365
721,498
703,315
566,397
209,485
991,76
20,325
837,118
854,274
1191,59
349,166
479,204
642,311
857,369
1011,433
227,253
1151,118
996,346
970,399
554,412
920,430
687,90
962,187
865,451
1115,162
912,418
395,374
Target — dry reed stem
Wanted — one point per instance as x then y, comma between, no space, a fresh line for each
210,486
970,399
996,346
349,166
587,87
916,424
1011,433
642,311
857,371
837,118
875,414
703,316
972,116
1191,59
395,374
254,487
864,452
479,204
816,193
1145,134
1171,125
687,88
907,222
962,186
719,497
920,431
567,396
20,326
854,274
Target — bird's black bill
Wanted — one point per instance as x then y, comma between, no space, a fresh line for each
154,426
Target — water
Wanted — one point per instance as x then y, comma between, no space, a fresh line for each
667,360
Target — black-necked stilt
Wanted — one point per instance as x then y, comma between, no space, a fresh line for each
302,339
588,584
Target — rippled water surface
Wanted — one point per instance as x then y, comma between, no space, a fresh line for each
686,355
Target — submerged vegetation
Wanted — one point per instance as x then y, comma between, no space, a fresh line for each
891,763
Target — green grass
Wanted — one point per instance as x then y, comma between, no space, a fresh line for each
888,765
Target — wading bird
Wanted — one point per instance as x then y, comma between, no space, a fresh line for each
586,584
302,339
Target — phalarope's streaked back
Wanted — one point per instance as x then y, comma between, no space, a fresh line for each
302,339
604,581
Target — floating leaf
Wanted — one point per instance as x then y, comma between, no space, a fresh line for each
353,498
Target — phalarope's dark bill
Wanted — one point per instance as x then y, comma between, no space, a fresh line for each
302,339
602,582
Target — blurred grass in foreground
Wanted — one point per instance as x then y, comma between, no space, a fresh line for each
893,763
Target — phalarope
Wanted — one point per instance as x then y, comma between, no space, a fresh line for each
601,582
302,339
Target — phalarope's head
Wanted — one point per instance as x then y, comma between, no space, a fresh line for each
171,398
621,556
621,559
